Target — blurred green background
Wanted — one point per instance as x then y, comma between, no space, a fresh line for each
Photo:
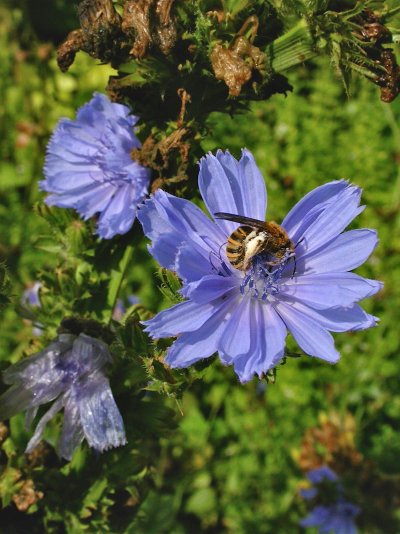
238,457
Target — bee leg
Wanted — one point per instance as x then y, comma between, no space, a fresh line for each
295,268
213,267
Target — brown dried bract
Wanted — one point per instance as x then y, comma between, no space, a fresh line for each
149,22
390,81
235,65
375,32
96,14
101,26
185,99
169,156
165,30
371,27
159,156
98,36
231,68
67,50
26,496
136,24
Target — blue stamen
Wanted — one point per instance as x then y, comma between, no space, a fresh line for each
262,279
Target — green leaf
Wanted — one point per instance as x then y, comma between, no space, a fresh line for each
11,177
202,502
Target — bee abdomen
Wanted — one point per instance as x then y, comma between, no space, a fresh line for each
235,250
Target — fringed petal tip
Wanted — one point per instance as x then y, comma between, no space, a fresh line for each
120,442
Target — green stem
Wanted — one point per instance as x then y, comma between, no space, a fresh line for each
292,48
117,277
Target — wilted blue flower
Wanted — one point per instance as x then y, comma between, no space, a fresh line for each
245,315
69,372
89,167
337,517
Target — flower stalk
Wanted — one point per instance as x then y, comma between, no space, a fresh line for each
116,279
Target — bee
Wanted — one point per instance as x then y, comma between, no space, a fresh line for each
253,237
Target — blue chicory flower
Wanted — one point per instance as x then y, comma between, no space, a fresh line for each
69,372
31,296
245,316
319,474
337,517
316,477
89,168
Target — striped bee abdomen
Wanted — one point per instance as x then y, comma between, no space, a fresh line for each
235,248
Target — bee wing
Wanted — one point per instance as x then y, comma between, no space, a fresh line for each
248,221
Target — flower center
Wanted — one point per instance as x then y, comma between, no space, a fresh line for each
112,159
262,278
